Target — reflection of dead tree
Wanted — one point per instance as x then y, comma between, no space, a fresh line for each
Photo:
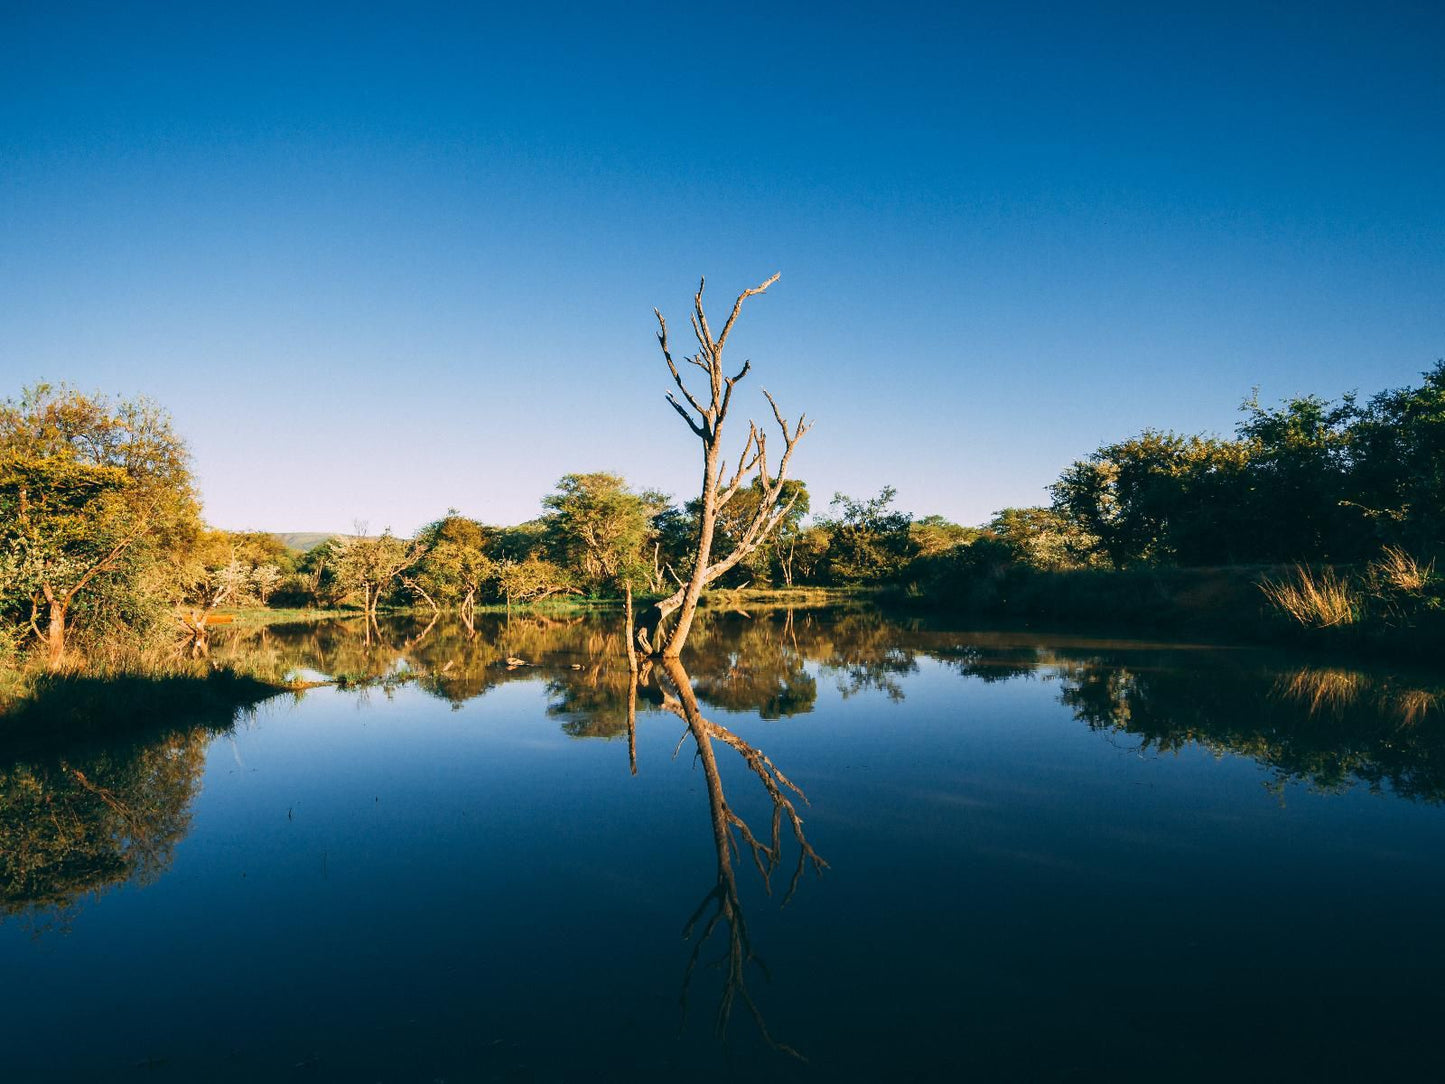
212,589
415,641
728,828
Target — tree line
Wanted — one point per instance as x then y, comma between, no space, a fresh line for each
101,534
1310,480
102,539
102,542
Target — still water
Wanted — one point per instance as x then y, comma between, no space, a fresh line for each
837,846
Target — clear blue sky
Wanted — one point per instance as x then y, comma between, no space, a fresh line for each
379,261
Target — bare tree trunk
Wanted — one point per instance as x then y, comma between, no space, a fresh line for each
707,426
692,593
628,635
414,586
55,631
468,611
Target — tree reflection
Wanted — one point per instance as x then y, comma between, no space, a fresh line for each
1327,726
72,827
721,906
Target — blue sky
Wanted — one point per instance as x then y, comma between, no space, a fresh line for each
384,262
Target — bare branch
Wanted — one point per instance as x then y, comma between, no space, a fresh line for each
667,356
728,390
682,410
715,493
738,305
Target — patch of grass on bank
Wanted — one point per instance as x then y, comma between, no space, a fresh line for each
798,597
1316,600
1391,608
1394,603
253,616
82,703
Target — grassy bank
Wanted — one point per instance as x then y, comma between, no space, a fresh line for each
798,597
79,704
1366,610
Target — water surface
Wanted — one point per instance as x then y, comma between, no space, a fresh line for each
836,846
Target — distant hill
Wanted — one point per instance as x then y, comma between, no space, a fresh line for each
302,541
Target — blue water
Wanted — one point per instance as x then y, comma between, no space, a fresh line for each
387,885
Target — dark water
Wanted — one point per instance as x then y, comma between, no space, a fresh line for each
1041,858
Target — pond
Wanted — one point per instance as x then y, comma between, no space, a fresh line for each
835,846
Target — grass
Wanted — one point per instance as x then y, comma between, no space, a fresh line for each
1317,600
1395,604
68,704
1400,571
254,616
783,596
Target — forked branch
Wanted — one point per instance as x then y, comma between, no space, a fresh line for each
705,416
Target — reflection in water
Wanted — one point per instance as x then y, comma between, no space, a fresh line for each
1326,726
75,823
722,905
72,827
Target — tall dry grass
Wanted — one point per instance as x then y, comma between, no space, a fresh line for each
1397,572
1318,600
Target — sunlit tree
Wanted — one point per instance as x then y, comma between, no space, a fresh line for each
93,493
705,417
367,567
602,529
455,564
868,541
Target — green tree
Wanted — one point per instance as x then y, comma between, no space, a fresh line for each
935,535
1158,497
92,494
531,580
868,543
1399,464
602,530
804,557
367,567
1043,538
455,564
1299,472
315,581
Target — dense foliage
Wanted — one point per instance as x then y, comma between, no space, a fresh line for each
1310,480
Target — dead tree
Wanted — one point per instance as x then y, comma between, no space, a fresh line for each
212,589
706,422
